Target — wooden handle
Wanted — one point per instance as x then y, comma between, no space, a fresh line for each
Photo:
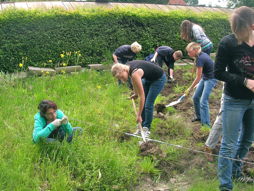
134,106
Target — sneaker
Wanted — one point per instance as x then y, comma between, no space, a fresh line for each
146,132
196,119
244,179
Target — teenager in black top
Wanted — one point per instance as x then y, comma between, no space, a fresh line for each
167,55
148,80
126,53
235,66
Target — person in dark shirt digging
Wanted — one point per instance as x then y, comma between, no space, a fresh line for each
165,54
204,80
126,53
234,64
148,81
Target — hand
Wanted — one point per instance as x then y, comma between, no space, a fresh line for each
56,122
187,92
139,119
250,84
134,96
64,120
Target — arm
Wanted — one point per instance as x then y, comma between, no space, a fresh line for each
197,32
138,87
39,131
67,127
115,58
197,79
222,61
154,57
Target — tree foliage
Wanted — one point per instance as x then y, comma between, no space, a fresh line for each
191,2
239,3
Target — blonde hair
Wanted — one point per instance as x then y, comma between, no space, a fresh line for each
118,68
241,21
136,47
178,54
193,45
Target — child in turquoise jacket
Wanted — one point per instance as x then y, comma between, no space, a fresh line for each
51,123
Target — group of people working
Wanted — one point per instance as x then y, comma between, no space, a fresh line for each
234,65
147,77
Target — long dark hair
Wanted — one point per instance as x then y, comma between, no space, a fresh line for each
186,30
45,105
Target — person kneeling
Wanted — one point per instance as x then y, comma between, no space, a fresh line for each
51,123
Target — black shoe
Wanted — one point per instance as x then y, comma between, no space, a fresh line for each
244,179
195,119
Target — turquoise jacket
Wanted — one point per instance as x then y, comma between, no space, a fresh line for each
42,130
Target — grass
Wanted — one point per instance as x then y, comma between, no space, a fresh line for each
95,160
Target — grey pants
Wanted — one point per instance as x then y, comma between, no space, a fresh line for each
216,131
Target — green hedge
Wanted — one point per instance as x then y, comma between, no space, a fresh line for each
39,37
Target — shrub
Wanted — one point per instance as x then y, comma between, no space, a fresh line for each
42,35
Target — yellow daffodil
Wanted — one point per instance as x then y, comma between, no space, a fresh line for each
50,61
64,64
47,73
61,55
99,87
20,65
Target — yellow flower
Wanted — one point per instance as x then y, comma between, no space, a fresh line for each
61,55
20,65
99,87
50,61
64,64
47,73
62,71
79,54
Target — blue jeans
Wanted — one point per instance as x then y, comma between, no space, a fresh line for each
201,98
238,119
59,136
152,90
208,50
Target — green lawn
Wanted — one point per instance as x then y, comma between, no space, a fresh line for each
96,160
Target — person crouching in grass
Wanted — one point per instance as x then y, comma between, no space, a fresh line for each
148,81
51,123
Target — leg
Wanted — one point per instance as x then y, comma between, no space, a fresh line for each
146,86
154,90
76,130
232,115
196,98
204,101
245,141
215,132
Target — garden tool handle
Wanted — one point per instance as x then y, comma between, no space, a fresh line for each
134,106
139,124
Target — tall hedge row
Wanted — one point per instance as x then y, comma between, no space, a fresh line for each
40,36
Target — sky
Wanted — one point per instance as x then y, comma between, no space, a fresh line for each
222,3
